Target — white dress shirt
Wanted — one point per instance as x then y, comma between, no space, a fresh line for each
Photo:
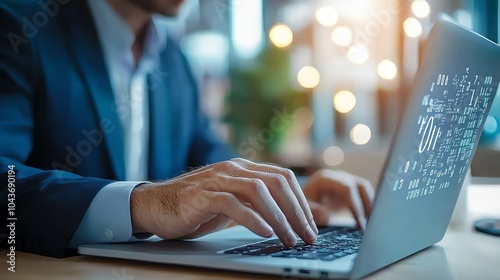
108,217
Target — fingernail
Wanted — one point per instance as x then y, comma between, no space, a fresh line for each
310,235
290,238
267,232
315,228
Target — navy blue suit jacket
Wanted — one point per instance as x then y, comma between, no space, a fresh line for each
60,127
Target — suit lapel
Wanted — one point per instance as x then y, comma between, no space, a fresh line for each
84,44
160,116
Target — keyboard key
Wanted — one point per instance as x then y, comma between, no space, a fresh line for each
330,251
264,251
331,243
260,245
271,241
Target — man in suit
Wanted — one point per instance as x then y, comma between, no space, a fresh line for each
95,100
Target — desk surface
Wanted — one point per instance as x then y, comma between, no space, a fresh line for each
462,254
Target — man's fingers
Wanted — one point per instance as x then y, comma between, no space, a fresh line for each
270,194
356,206
284,199
342,186
257,193
346,193
275,196
292,183
353,199
228,205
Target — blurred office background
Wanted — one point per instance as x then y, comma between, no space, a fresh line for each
310,84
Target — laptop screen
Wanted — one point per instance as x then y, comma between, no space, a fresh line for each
445,117
451,97
450,119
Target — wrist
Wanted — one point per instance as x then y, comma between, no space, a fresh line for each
138,208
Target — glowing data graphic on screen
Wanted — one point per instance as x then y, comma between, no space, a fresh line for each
451,115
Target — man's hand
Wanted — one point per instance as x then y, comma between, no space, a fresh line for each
329,190
263,198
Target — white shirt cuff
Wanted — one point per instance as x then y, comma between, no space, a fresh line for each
108,218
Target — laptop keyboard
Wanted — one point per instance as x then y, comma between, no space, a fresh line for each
332,243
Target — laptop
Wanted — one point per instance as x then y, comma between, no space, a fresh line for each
431,153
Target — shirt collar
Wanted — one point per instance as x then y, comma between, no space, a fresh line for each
117,37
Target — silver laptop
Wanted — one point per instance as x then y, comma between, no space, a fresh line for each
457,80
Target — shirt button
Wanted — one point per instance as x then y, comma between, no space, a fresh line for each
108,234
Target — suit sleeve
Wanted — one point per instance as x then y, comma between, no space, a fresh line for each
47,205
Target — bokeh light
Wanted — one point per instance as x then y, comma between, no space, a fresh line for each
344,101
342,36
360,134
420,8
326,16
333,156
387,70
281,35
412,27
358,54
308,77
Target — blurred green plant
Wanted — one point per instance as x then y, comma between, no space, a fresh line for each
258,92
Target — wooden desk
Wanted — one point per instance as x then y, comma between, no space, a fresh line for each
462,254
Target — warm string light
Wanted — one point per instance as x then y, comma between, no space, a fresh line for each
387,70
360,134
308,77
412,27
420,8
326,16
281,35
344,101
